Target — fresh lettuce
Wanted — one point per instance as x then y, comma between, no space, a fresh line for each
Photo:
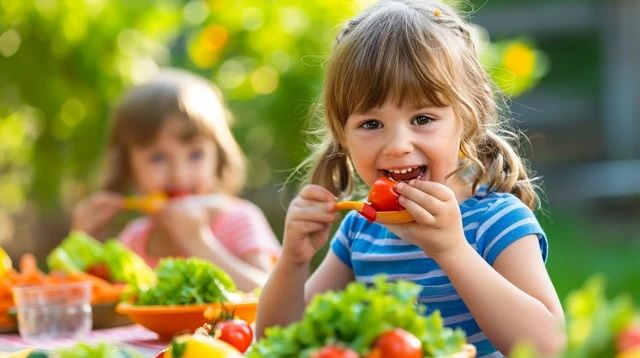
100,350
355,317
126,266
76,252
188,281
79,252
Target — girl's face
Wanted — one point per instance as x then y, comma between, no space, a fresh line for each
405,143
173,166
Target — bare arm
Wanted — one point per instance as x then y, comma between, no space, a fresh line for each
309,219
92,215
246,276
512,301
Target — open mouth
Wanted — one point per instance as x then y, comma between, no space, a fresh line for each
176,193
406,174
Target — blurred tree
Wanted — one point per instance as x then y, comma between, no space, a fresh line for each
63,63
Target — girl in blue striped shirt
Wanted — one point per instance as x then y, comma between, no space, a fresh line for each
405,97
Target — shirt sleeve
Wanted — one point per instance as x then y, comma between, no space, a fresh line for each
341,241
243,228
505,222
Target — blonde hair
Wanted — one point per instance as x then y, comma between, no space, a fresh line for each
174,94
420,53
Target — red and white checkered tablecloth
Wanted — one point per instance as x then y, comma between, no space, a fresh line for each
133,336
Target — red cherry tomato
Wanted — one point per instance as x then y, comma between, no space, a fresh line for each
334,351
99,270
396,343
236,332
382,196
176,193
628,338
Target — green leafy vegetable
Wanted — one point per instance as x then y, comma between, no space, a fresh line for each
355,317
79,251
126,266
593,322
187,281
101,350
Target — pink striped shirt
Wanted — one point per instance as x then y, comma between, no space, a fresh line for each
240,226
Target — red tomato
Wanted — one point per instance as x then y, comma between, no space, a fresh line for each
628,338
236,332
383,197
334,351
99,270
176,193
396,343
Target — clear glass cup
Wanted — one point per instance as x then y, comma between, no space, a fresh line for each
53,311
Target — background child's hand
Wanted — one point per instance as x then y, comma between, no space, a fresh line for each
183,220
438,224
308,222
93,214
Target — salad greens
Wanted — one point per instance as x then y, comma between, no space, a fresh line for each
85,350
593,322
355,317
76,252
79,251
187,281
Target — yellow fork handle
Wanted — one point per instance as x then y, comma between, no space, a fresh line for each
350,205
146,204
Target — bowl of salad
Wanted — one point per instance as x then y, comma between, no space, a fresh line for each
184,290
375,321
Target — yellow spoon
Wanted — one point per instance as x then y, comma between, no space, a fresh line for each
384,217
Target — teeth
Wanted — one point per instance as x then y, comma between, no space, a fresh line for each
403,170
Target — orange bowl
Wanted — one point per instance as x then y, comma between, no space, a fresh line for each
168,321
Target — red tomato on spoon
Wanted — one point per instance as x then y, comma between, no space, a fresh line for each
383,197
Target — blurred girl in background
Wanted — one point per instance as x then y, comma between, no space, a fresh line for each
170,140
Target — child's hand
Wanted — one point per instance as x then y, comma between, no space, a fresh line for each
308,223
183,221
438,223
94,213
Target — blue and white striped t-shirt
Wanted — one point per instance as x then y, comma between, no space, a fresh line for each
492,221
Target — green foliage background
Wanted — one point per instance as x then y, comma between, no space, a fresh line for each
65,63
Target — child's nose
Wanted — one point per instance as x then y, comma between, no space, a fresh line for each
397,143
179,176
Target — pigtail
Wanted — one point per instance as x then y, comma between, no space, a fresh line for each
504,170
331,169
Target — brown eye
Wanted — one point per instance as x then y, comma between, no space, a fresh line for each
371,124
421,120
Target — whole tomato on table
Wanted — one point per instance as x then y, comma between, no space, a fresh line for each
396,343
334,351
236,332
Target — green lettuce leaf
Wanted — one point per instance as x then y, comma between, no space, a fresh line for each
355,317
187,281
